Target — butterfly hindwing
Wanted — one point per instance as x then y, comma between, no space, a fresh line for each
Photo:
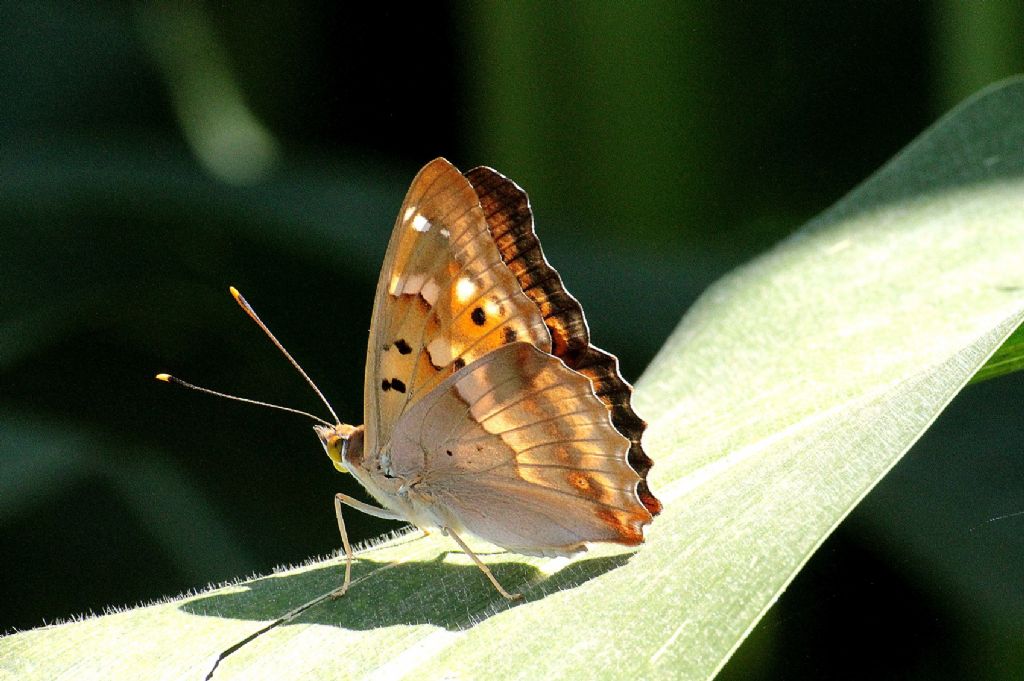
517,449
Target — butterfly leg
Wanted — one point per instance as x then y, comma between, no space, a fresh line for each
340,499
480,564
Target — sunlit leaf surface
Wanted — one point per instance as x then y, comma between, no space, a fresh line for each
784,395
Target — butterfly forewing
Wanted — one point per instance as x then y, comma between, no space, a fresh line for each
444,299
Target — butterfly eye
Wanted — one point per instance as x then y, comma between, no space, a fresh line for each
334,446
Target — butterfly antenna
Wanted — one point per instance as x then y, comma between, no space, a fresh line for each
259,322
167,378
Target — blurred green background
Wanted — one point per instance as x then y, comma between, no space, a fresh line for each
152,154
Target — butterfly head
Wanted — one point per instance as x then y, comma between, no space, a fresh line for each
343,444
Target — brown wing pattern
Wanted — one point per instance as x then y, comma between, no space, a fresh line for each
444,299
518,451
510,220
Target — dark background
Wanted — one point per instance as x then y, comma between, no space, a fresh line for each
152,155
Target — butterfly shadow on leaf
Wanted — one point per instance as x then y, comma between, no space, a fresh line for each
438,592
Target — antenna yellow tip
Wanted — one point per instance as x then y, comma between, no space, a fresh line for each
166,378
234,292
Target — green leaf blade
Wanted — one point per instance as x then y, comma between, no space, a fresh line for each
782,398
1006,360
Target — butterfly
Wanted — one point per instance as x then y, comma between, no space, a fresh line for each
486,409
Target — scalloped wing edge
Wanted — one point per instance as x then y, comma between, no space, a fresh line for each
510,219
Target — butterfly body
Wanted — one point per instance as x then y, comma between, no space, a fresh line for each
486,408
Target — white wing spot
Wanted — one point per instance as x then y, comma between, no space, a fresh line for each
420,223
429,291
491,308
464,289
440,352
408,213
445,233
411,284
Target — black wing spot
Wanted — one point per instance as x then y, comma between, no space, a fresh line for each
397,385
478,316
510,334
402,346
385,385
458,363
448,452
